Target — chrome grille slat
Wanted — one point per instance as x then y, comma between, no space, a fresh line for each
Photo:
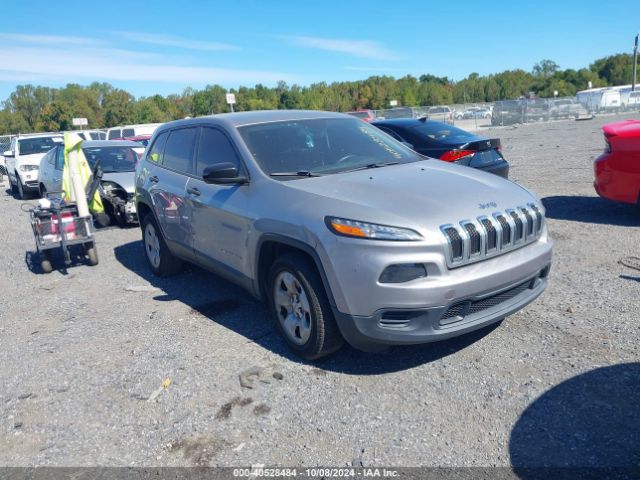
474,240
538,216
518,231
530,225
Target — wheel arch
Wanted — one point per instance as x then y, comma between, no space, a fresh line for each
272,246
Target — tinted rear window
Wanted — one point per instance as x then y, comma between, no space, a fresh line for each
114,134
155,152
442,132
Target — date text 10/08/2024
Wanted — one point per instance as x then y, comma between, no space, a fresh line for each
259,471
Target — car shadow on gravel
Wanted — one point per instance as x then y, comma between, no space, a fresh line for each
205,294
590,422
591,210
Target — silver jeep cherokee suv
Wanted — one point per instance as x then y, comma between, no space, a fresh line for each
345,232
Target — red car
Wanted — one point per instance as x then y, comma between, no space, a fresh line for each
363,114
617,170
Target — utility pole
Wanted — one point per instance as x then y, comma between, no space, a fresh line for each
635,63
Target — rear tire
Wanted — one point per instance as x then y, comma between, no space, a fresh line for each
45,261
301,308
92,253
160,259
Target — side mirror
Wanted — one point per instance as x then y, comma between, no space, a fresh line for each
8,153
223,174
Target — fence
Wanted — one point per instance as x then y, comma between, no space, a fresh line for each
5,142
472,116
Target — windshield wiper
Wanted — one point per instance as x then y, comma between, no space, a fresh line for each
301,173
371,165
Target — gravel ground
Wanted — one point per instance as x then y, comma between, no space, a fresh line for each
108,365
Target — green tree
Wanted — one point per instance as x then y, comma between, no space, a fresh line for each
545,68
118,108
615,69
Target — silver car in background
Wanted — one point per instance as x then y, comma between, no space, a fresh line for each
345,232
118,159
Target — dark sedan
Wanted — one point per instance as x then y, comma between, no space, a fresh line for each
448,143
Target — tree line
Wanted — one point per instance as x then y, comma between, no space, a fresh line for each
32,108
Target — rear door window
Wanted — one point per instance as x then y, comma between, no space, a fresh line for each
156,151
214,147
178,151
128,132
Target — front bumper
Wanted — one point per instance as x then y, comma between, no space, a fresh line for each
407,327
369,311
29,180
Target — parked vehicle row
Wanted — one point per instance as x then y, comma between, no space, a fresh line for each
346,232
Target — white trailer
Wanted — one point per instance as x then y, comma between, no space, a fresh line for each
600,99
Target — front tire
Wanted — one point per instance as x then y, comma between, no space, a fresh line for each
301,309
22,195
160,259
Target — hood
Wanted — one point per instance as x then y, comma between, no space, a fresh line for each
421,193
125,179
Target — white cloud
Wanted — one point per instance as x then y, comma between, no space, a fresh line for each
50,40
76,64
357,48
171,41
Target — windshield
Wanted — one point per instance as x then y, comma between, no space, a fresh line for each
30,146
112,159
321,146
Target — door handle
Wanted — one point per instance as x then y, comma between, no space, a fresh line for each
153,179
193,191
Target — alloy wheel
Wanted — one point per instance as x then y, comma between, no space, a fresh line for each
292,307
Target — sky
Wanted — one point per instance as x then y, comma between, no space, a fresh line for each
165,46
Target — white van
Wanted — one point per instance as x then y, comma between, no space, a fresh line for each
130,131
599,99
633,100
91,134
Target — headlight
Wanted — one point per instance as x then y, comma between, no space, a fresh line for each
28,168
354,228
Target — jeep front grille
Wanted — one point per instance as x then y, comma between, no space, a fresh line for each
474,240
